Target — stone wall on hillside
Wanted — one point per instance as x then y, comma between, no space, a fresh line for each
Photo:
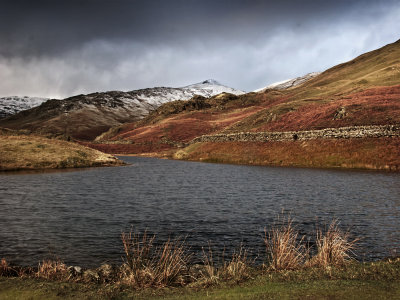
327,133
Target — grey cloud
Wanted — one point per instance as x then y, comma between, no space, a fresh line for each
48,27
62,48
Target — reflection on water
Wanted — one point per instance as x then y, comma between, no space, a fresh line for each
79,216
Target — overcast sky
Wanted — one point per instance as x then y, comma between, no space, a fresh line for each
62,48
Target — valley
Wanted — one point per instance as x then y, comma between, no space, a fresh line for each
188,122
361,92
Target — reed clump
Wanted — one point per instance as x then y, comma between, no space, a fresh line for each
146,265
334,247
288,250
52,270
237,268
6,270
285,248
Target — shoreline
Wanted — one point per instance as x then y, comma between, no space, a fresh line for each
379,280
330,168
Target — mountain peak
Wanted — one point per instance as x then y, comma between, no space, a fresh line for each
211,81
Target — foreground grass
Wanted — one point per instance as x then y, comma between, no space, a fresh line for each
28,152
149,271
379,280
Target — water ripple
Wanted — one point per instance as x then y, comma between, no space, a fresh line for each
79,216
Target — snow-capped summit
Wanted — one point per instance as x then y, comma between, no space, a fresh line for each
209,88
285,84
211,81
160,95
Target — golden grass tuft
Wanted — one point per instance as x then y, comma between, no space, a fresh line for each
285,249
5,268
52,270
209,274
236,269
334,247
149,266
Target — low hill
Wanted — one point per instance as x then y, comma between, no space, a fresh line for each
21,151
362,92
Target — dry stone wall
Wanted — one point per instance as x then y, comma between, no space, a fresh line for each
327,133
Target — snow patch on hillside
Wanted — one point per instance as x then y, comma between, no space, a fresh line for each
289,83
160,95
13,104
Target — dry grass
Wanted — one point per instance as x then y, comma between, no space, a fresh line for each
238,267
235,269
285,249
210,274
34,152
366,153
52,270
5,268
149,266
334,247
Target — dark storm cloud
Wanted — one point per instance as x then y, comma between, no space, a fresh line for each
50,27
65,47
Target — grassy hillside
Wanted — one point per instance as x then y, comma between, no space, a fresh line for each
27,152
364,91
369,153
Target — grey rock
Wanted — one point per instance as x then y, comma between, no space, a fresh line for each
340,113
74,271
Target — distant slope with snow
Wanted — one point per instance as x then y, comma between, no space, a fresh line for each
289,83
86,116
159,95
14,104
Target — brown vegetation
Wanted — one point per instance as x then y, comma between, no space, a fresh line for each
285,249
52,270
149,266
334,247
369,153
27,152
146,265
217,269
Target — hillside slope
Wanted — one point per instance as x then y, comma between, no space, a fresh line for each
363,91
84,117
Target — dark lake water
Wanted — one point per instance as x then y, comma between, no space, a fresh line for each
78,216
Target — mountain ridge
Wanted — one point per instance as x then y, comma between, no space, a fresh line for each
86,116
